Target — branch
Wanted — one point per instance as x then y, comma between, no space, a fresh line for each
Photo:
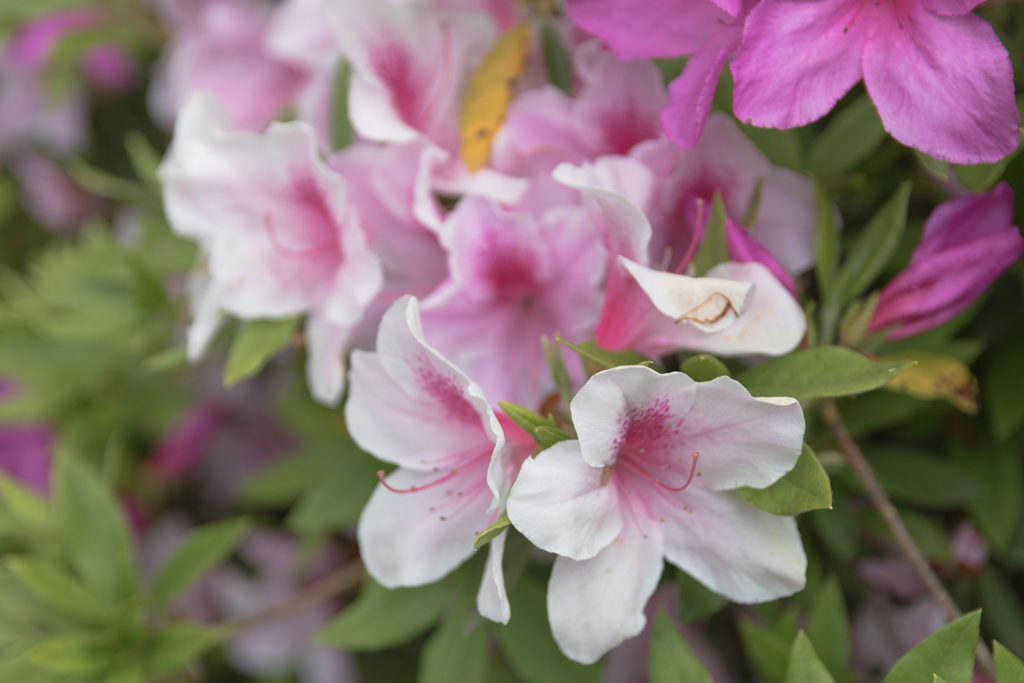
334,584
880,499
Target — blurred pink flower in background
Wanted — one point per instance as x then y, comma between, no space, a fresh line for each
50,196
25,449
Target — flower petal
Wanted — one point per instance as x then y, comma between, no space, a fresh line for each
492,599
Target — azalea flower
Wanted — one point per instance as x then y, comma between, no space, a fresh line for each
708,31
939,76
649,479
513,277
409,406
277,232
966,244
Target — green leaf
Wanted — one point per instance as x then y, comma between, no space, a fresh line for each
804,488
596,359
528,645
981,177
938,167
203,548
838,528
254,345
1004,612
695,601
1001,383
820,372
25,505
527,419
177,646
714,247
556,365
280,483
457,651
916,477
341,125
342,487
58,589
804,665
109,186
381,618
1009,669
997,509
948,653
782,147
670,659
488,534
826,252
549,436
556,58
144,159
874,246
70,653
704,368
929,536
767,648
851,136
94,530
828,629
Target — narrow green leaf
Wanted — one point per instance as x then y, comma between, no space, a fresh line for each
109,186
70,653
851,136
549,436
58,589
202,549
556,58
754,205
177,646
670,659
525,418
875,246
556,364
143,157
25,505
714,248
1009,669
782,147
488,534
804,488
820,372
1004,611
695,601
457,651
826,267
704,368
254,345
381,618
938,167
804,665
596,359
949,653
341,125
828,629
768,650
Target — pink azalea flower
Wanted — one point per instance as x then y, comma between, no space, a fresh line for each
707,31
410,63
739,308
278,232
650,479
409,406
940,78
219,45
514,276
967,243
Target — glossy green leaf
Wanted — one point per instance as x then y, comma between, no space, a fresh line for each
820,372
874,246
255,344
488,534
556,58
381,618
828,629
714,247
1009,668
177,646
58,589
457,651
670,659
854,132
949,653
695,601
528,646
203,549
527,419
549,436
804,488
596,359
804,666
704,368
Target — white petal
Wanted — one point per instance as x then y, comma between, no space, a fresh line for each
559,504
732,547
595,604
491,599
205,298
325,358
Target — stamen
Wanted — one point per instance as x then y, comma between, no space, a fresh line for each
694,240
693,468
414,489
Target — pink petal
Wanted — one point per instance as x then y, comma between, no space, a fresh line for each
951,7
963,219
745,249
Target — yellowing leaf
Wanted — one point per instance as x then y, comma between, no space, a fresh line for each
489,93
936,376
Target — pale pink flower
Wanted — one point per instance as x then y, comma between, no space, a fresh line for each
968,547
50,196
513,277
882,631
940,78
650,479
966,244
109,67
278,232
219,45
409,406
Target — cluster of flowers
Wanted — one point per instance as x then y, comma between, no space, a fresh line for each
585,223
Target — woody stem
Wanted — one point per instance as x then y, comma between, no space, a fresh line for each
880,499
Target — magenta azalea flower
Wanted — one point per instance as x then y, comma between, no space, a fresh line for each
940,78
